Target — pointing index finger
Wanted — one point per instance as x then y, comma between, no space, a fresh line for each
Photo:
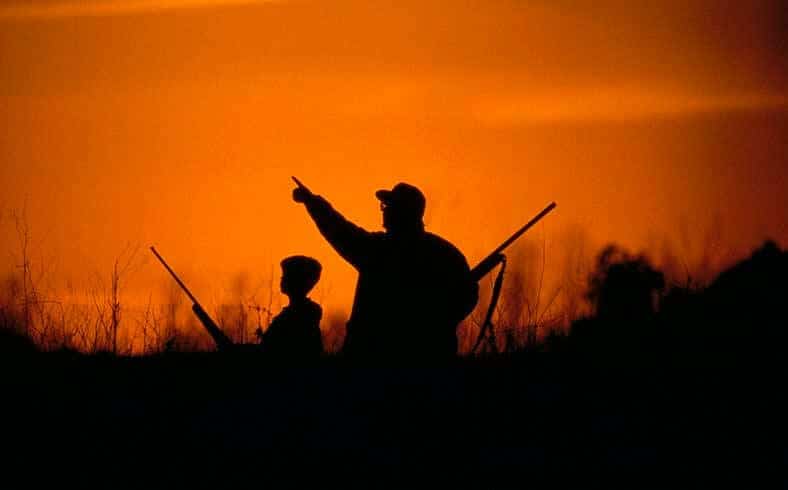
299,183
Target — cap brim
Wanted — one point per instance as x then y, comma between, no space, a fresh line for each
384,195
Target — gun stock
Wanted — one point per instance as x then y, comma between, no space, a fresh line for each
488,263
223,342
485,266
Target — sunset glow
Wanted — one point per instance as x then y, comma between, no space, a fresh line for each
179,124
75,8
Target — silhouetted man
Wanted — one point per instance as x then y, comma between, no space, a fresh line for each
294,334
413,287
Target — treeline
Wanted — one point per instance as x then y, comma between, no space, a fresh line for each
637,317
629,310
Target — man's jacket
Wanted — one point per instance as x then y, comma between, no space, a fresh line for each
412,291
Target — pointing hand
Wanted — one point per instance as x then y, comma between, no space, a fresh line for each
301,193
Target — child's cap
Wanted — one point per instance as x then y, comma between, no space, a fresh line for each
305,270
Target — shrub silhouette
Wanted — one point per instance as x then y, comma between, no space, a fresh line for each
623,291
13,341
742,311
624,287
740,314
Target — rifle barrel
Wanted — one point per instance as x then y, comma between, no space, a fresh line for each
483,267
522,230
175,276
223,342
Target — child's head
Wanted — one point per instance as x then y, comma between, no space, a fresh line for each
299,275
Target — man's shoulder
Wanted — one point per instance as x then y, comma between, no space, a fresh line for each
439,242
442,246
378,238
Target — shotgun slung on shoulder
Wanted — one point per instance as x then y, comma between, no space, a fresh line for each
488,263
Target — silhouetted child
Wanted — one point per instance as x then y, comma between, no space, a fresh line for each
294,334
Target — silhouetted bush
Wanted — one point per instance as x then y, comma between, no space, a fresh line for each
622,286
742,312
12,340
623,291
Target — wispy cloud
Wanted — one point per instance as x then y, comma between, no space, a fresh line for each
615,105
97,8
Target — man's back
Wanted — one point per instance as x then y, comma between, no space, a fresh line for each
414,287
411,294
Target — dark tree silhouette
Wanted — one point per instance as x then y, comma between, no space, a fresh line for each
624,287
741,312
623,291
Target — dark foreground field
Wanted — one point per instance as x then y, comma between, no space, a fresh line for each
525,421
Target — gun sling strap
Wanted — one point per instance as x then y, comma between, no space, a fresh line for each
487,325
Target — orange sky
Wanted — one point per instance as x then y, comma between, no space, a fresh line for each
179,123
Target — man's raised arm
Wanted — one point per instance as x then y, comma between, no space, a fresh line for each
350,241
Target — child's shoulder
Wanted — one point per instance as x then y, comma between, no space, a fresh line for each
307,308
313,307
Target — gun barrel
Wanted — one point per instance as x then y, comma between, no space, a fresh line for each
489,262
174,276
223,342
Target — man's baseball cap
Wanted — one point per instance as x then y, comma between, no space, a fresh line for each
403,197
